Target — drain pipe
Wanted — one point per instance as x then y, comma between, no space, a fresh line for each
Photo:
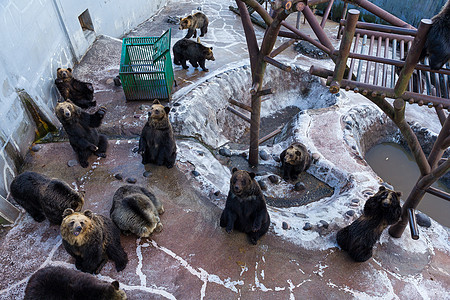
66,32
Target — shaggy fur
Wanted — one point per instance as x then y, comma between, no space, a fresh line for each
81,127
57,283
81,93
192,22
44,197
91,239
135,210
157,143
380,210
245,208
187,50
295,160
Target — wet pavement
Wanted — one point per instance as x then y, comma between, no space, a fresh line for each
193,258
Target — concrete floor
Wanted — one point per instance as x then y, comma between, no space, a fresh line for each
193,258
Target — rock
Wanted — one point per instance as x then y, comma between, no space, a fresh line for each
118,176
35,148
276,157
354,147
72,162
135,149
350,123
173,20
315,157
200,153
177,104
262,185
274,179
147,174
244,154
324,224
264,155
117,81
300,215
216,193
195,173
423,220
299,186
310,50
137,116
225,152
350,213
131,180
348,127
307,226
285,226
355,201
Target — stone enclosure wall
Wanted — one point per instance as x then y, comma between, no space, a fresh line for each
37,37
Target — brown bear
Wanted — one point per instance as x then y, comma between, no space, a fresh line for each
91,239
192,22
81,126
380,210
136,210
57,283
187,50
157,142
245,208
44,197
295,160
81,93
437,44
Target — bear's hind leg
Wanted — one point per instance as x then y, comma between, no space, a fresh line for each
202,65
203,30
183,64
102,146
83,156
34,210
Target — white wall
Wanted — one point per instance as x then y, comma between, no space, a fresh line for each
37,37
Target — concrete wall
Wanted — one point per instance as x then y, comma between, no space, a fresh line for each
37,37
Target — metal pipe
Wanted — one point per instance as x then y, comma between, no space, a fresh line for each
277,64
315,26
382,28
369,64
438,193
384,35
413,224
352,62
326,14
282,47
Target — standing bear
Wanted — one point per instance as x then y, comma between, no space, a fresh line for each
192,22
245,208
157,143
81,126
295,160
81,93
136,210
187,50
44,197
56,283
91,239
380,210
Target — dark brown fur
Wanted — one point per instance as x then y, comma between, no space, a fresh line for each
81,93
295,160
187,50
192,22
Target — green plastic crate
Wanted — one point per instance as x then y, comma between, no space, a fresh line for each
146,70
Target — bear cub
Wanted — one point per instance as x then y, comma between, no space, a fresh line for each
380,210
187,50
245,208
136,210
81,127
92,239
44,197
192,22
295,160
55,282
81,93
157,142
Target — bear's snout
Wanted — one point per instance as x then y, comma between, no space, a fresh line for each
77,230
386,202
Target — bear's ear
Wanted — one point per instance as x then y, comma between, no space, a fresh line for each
115,284
167,109
82,193
210,48
382,188
298,153
156,101
399,194
58,69
252,175
88,213
69,69
67,212
234,170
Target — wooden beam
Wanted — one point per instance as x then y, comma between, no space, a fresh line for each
270,135
241,105
277,64
240,115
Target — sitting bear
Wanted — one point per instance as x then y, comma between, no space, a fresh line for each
157,143
294,160
380,210
245,208
91,239
437,44
81,126
192,22
135,210
55,283
81,93
44,197
187,50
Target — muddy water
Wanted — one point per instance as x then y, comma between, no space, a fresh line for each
397,167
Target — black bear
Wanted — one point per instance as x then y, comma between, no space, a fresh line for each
245,208
57,283
81,93
81,126
192,22
437,45
380,210
91,239
44,197
157,142
295,160
136,210
187,50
